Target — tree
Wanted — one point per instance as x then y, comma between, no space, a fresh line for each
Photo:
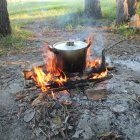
125,10
132,7
5,28
93,9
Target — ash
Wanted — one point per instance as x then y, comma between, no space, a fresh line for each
107,110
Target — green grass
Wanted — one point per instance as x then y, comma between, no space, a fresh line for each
16,41
108,9
23,12
32,10
138,11
125,30
66,13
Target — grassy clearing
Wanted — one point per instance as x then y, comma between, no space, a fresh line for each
23,12
108,9
125,30
138,12
64,13
16,41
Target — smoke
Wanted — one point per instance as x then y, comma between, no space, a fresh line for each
85,27
98,45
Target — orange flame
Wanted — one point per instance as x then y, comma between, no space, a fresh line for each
41,78
56,75
95,63
61,79
90,62
53,73
101,75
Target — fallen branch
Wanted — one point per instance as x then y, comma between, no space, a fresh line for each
78,84
107,48
120,41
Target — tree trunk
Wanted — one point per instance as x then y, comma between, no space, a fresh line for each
125,10
92,8
132,7
5,28
122,11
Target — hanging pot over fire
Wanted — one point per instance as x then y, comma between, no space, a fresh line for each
71,55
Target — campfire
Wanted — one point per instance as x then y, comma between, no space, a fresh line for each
53,87
51,76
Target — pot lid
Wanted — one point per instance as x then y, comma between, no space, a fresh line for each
70,45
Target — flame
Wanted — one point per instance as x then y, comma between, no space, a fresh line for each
62,78
41,78
56,75
101,75
90,62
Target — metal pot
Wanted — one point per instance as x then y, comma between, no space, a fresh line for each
71,55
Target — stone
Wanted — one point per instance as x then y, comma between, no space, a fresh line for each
118,108
96,94
83,129
29,115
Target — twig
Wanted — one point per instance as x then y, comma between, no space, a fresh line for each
44,133
66,119
120,41
79,84
29,89
105,49
135,100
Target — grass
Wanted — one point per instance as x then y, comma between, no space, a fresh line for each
138,11
23,12
125,30
108,9
16,41
66,13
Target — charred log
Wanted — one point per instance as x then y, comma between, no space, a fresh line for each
78,84
28,73
103,65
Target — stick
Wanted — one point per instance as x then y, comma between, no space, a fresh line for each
79,85
70,83
103,65
43,132
105,49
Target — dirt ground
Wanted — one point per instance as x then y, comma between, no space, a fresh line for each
119,113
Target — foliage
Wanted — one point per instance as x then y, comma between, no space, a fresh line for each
125,30
108,9
23,12
138,11
63,13
16,41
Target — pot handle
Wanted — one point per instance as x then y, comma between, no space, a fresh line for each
89,44
51,48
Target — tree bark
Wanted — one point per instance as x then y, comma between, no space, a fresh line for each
132,7
125,10
122,11
93,9
5,28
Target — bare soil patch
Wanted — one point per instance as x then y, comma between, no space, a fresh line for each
115,117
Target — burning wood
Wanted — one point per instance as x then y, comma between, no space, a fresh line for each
50,77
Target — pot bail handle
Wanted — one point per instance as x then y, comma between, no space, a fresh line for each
51,48
89,40
89,43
